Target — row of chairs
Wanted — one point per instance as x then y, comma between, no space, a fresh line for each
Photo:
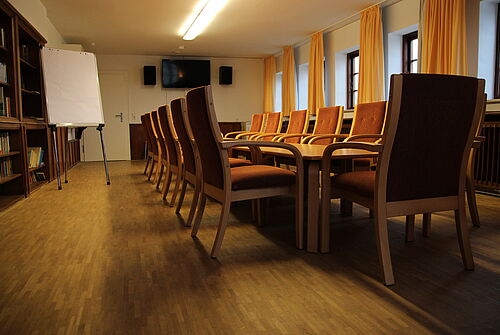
181,142
435,126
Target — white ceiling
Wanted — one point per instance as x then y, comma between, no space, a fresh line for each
244,28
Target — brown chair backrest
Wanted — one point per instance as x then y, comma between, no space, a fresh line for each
178,107
147,132
256,124
168,136
272,123
157,134
328,121
431,124
368,119
297,124
206,134
152,130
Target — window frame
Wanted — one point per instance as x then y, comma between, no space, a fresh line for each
496,88
350,76
407,60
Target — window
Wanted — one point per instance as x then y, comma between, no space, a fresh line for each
303,80
352,78
277,92
496,93
410,52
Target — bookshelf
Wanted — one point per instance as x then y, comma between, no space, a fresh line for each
26,154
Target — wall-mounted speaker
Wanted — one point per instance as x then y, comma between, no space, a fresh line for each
149,75
225,75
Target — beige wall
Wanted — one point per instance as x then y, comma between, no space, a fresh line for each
36,13
236,102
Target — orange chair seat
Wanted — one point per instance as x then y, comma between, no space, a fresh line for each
260,176
359,182
235,162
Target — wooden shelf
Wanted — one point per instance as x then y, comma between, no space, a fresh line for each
4,180
36,168
3,83
9,154
28,64
3,49
9,200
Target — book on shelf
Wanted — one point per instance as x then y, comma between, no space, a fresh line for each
35,157
6,167
3,72
2,37
4,142
39,176
7,106
3,110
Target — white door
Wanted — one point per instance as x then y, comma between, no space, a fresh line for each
115,105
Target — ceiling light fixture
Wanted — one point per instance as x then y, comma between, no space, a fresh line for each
203,14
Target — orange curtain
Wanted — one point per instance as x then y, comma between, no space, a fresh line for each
371,56
269,83
288,81
316,97
444,48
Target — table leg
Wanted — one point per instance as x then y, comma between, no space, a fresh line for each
312,168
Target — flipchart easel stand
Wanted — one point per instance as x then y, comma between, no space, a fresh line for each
53,128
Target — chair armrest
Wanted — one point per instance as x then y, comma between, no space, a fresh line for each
284,137
314,138
257,144
262,135
327,153
246,133
357,137
234,133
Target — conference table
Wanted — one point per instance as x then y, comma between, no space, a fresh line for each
311,156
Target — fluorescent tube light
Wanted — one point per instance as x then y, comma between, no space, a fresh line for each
203,14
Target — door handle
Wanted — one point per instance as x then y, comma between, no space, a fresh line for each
120,116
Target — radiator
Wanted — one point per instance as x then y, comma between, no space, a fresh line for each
487,164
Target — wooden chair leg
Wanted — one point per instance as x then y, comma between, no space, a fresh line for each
147,164
158,183
463,237
194,204
299,216
471,201
384,253
199,214
261,205
410,228
224,216
181,197
150,173
166,184
426,224
178,180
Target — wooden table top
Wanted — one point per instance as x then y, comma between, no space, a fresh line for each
315,152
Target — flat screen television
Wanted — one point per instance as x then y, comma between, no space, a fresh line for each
185,73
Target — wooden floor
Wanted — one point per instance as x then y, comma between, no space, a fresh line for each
97,259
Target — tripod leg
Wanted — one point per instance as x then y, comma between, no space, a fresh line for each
104,154
58,171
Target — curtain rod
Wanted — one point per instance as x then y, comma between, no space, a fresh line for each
341,23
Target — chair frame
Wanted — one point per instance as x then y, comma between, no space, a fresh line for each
233,134
379,204
150,156
158,158
349,137
250,134
306,137
226,195
278,135
169,166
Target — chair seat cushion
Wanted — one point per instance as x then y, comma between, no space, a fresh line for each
260,176
235,162
360,182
